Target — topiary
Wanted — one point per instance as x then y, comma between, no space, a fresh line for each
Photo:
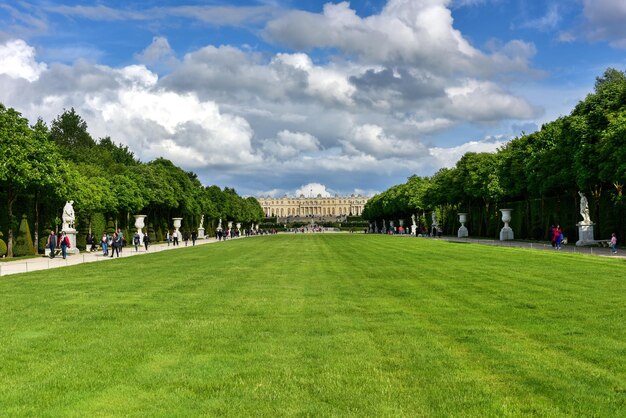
3,246
110,227
24,242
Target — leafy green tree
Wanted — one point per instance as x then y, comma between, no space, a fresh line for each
29,161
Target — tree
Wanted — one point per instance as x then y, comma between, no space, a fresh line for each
29,161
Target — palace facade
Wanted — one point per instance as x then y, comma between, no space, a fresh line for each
318,207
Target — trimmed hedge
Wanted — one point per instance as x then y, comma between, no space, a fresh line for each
24,242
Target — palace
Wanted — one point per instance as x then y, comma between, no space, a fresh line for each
312,207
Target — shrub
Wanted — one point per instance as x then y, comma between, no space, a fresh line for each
3,246
24,242
110,227
158,235
43,241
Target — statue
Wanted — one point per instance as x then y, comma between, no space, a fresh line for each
219,226
413,219
584,209
201,223
68,216
433,217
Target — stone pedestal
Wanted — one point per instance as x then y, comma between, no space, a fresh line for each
585,234
506,233
201,233
463,233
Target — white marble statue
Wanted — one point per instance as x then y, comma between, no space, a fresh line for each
584,209
219,226
433,217
68,216
201,222
413,219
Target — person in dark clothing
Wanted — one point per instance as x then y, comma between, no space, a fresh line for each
52,243
136,241
146,241
186,237
115,244
194,237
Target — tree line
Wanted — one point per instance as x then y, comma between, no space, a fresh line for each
41,167
537,174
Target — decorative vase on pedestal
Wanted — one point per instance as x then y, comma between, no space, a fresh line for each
177,223
139,224
506,233
463,233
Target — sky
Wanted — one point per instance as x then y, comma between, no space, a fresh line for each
281,97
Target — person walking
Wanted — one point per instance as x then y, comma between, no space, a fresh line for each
104,242
136,241
146,241
168,237
120,235
194,237
559,237
52,243
65,244
115,245
186,237
613,243
175,237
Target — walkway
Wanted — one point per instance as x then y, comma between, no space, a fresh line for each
539,245
44,263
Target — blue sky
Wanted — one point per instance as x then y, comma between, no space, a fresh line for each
270,96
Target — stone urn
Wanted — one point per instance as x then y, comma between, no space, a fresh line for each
238,224
463,233
230,225
140,224
177,223
506,233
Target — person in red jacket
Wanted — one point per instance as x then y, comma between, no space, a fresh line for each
65,244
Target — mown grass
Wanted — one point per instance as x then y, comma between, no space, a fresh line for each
318,325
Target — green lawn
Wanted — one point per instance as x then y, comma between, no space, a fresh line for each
318,325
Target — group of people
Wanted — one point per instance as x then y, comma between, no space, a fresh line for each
114,243
556,236
175,236
62,241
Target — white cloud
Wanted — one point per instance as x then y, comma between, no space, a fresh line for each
549,21
409,32
312,190
605,21
288,145
372,140
17,60
486,101
448,157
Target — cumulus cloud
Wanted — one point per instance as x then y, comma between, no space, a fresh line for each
605,21
17,60
448,157
288,145
408,32
312,190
